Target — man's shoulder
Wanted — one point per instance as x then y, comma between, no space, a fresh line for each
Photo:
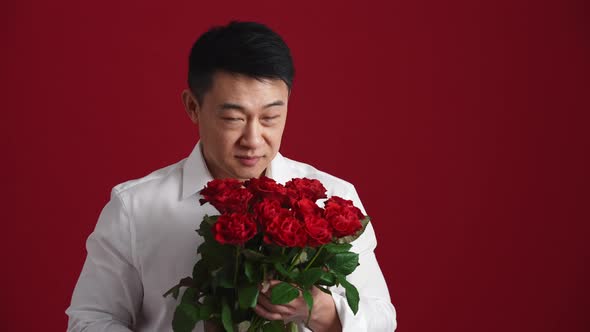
168,177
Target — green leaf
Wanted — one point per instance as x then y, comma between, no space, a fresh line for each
274,326
184,282
174,291
266,274
189,296
185,317
209,307
248,296
283,271
309,300
277,256
205,228
205,310
327,279
336,248
352,294
249,271
215,254
325,290
200,273
210,220
283,293
226,316
253,255
307,278
321,257
278,259
295,274
224,277
344,263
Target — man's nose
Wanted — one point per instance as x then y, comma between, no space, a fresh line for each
252,136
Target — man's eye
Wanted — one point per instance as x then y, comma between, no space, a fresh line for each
270,118
231,119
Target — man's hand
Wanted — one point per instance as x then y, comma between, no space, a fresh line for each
323,315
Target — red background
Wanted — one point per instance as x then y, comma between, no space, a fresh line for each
463,125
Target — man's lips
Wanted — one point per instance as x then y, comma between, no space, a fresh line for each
248,161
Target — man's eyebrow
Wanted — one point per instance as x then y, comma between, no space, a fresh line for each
275,103
232,106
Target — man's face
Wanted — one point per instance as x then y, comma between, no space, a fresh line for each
241,122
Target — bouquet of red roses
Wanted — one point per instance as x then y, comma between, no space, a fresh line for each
267,231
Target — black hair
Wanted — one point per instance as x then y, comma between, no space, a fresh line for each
247,48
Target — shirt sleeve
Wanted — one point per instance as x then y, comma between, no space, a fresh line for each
108,294
376,313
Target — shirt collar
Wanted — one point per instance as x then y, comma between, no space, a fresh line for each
277,169
195,173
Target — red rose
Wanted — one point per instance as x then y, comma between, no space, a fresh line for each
267,209
305,207
285,230
343,216
234,228
226,195
216,186
319,231
266,188
311,189
341,201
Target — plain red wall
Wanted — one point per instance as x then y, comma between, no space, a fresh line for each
463,125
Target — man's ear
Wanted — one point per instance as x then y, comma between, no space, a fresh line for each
191,105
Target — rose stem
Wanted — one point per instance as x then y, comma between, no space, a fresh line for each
236,269
314,257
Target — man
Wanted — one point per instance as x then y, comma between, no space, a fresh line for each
240,77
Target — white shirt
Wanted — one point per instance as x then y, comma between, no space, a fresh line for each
145,242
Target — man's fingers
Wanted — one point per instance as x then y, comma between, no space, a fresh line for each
262,312
274,282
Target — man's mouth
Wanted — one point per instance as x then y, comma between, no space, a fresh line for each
248,161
